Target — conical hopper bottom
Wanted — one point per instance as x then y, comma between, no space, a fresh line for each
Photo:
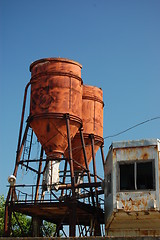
77,150
52,132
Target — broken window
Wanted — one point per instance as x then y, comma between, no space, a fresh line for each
137,176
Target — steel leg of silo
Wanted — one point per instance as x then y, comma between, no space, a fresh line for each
70,157
97,230
36,225
72,227
39,174
6,216
94,165
7,221
18,157
86,163
19,151
58,231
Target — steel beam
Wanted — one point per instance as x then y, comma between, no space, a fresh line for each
39,174
72,227
86,163
94,165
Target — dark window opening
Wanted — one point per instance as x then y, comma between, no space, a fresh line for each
145,175
137,176
127,177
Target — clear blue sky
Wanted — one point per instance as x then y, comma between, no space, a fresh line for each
118,44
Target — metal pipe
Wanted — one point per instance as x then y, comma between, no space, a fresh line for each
43,160
39,173
22,116
81,185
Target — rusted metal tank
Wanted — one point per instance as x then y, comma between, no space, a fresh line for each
92,117
92,110
56,90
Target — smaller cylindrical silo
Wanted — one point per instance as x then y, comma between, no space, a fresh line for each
92,117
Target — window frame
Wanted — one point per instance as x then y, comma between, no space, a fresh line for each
125,162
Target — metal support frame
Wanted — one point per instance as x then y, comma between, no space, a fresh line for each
72,204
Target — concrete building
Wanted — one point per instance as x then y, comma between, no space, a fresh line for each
132,188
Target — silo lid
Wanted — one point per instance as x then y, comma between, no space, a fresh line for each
55,59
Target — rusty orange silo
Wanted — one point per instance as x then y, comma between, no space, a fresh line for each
92,117
56,90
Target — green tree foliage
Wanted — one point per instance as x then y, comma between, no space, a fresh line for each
2,207
21,224
48,229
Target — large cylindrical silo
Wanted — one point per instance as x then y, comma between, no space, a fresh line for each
56,90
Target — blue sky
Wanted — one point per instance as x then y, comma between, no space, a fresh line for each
117,43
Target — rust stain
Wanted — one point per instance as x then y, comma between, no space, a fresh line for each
114,153
135,202
145,156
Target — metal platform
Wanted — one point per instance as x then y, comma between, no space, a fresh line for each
59,213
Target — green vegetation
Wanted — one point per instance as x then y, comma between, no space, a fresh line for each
21,224
2,207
